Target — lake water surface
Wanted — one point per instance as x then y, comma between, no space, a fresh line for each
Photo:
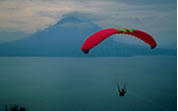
89,84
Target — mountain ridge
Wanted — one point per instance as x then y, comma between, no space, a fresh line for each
65,38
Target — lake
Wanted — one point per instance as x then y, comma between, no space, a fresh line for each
89,84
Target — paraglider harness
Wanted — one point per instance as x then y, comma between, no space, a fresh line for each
122,92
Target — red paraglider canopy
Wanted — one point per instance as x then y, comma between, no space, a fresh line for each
99,36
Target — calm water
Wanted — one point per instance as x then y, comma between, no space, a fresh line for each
89,84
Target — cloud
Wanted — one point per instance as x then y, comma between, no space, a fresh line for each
31,15
36,14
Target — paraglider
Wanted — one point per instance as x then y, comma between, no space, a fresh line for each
123,91
101,35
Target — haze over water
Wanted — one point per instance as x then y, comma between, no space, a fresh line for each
89,84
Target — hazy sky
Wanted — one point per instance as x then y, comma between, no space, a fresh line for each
158,17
